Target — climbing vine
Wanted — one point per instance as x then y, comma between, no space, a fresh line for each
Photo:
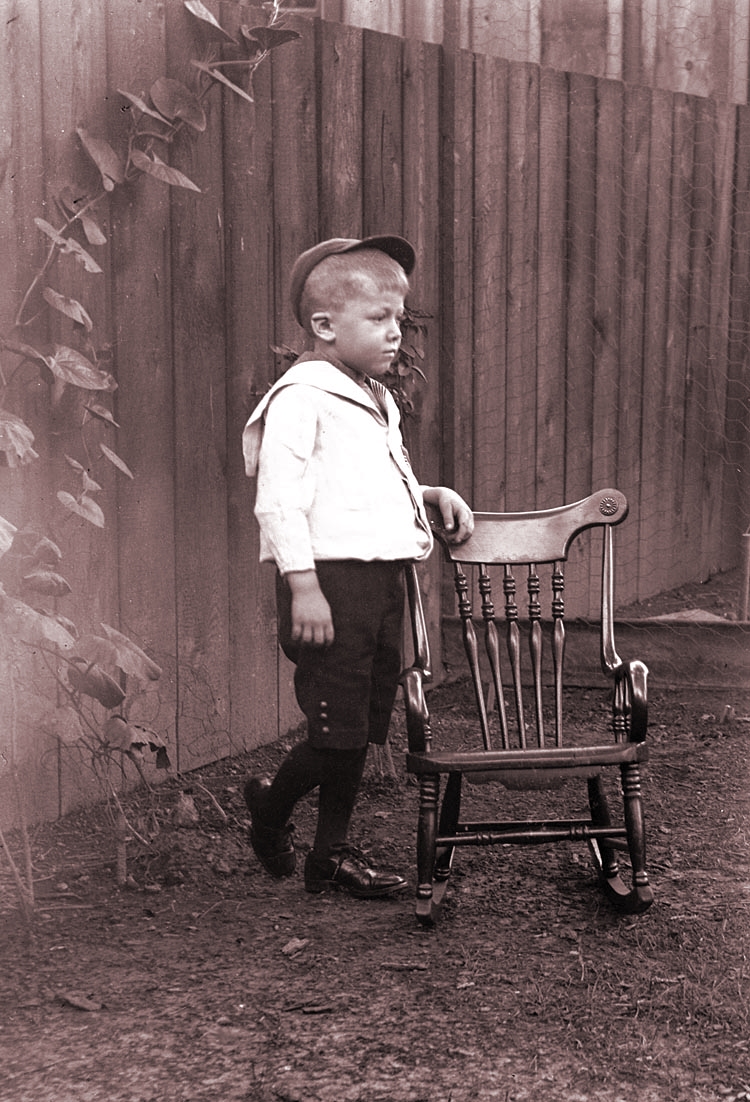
89,679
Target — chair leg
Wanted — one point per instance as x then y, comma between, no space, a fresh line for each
642,894
429,792
449,815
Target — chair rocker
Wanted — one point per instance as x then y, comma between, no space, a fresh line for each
523,747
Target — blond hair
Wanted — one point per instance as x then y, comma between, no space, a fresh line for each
343,276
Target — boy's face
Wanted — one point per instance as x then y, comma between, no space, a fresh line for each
365,333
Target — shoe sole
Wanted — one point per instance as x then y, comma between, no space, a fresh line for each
318,887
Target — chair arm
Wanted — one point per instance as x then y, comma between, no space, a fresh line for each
631,697
415,707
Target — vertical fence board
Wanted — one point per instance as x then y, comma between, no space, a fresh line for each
654,550
522,276
632,370
340,131
143,364
296,205
24,493
75,39
695,445
249,233
490,281
553,177
737,482
607,293
421,100
456,261
201,556
579,397
382,173
678,316
716,554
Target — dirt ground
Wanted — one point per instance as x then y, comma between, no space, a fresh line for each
208,980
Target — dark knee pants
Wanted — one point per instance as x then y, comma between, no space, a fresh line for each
346,690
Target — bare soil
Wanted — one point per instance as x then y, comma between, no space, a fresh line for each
209,980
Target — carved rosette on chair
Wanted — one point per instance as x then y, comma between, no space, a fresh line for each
515,743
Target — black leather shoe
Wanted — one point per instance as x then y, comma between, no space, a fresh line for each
273,846
350,870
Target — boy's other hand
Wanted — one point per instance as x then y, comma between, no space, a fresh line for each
457,517
311,613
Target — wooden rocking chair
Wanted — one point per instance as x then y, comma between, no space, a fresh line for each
519,750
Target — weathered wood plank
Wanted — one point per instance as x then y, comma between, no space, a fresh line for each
490,280
737,481
296,213
580,334
198,341
74,38
341,184
382,134
140,277
522,276
632,369
456,260
652,570
718,553
421,102
553,196
697,371
678,317
249,235
607,292
24,492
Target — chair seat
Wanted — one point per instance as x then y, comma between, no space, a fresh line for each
502,761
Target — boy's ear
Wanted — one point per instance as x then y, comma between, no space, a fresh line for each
322,326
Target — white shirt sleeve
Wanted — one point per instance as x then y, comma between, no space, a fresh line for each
285,486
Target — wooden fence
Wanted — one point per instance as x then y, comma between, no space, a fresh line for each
583,261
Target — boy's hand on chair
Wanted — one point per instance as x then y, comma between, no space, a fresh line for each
311,613
458,519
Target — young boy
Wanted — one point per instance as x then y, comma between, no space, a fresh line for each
340,512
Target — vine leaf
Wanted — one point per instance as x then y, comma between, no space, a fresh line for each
102,413
216,75
18,348
70,246
7,532
29,626
143,107
45,581
115,460
200,11
157,168
68,306
84,507
94,682
175,101
117,650
72,368
94,235
108,162
268,38
16,439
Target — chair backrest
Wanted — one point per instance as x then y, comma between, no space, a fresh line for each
528,541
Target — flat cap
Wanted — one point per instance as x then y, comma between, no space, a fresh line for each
396,247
